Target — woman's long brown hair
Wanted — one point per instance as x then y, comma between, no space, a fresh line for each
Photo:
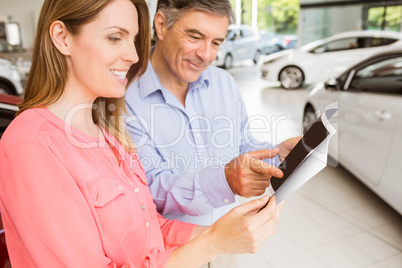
48,74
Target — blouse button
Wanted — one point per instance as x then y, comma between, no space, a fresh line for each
136,190
147,224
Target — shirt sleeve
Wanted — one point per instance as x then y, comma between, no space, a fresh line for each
174,192
47,220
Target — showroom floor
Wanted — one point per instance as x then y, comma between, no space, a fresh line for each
331,221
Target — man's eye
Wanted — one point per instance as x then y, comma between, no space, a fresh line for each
195,37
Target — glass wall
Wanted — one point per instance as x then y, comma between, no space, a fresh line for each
280,16
383,18
319,19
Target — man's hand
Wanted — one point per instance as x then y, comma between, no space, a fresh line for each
248,175
286,146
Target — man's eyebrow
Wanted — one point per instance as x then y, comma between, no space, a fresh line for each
195,31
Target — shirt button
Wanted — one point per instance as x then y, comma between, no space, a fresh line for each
143,207
121,187
226,200
136,190
147,224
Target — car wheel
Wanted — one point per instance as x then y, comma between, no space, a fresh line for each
6,89
309,118
257,56
291,77
228,61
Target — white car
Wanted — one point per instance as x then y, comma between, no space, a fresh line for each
10,78
369,137
242,43
324,58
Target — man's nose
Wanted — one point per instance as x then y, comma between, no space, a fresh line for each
205,51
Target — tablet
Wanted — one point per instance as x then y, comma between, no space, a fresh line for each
318,135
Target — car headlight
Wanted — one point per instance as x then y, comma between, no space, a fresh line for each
271,60
276,56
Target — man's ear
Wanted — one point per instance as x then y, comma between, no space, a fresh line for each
60,37
160,25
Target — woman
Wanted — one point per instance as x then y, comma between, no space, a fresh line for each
71,195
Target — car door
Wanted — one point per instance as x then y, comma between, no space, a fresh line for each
370,106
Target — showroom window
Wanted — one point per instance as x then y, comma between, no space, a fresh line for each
384,18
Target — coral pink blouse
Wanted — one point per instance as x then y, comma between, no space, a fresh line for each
71,200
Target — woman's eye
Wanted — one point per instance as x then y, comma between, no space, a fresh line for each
114,39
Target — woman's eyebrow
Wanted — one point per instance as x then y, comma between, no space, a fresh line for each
119,28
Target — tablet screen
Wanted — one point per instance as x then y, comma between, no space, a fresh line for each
313,137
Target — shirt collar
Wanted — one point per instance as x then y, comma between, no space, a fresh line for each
201,83
149,82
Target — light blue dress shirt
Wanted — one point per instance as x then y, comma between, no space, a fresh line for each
184,149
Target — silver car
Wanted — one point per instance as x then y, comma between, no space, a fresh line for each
369,144
242,43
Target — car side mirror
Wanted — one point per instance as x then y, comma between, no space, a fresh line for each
332,84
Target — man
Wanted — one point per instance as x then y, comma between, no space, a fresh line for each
189,122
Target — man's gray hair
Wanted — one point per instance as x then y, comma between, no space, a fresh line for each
176,9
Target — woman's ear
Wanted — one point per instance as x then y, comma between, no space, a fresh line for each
60,37
160,25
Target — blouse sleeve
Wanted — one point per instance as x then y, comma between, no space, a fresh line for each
47,220
175,233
